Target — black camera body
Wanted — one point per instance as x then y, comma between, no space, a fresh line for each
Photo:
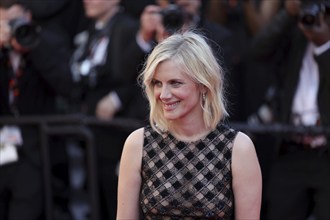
173,18
309,15
25,32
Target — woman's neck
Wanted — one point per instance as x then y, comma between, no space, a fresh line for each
189,130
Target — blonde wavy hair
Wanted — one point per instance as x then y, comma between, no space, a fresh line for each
191,52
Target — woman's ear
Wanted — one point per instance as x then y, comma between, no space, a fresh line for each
203,89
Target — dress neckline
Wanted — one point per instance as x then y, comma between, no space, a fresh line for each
199,140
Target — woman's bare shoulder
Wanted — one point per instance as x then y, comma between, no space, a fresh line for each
243,143
244,155
132,151
136,137
137,134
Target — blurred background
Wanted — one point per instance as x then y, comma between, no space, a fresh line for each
69,97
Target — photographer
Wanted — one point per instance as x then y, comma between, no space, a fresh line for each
159,21
299,39
33,72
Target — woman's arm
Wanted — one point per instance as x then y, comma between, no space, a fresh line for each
247,181
129,177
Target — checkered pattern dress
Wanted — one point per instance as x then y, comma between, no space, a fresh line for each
187,180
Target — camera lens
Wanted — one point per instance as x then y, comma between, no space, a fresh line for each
25,33
27,36
308,20
309,15
173,18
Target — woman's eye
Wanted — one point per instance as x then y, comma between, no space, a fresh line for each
156,83
176,83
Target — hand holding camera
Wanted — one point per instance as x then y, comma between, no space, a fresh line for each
313,21
172,18
24,32
313,18
312,12
5,35
150,23
309,12
318,34
19,34
158,22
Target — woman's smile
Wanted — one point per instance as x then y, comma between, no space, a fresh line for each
170,106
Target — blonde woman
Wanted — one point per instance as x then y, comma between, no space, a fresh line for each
187,164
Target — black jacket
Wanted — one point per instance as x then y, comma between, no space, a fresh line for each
110,75
282,40
45,76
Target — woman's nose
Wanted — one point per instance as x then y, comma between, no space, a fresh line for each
165,93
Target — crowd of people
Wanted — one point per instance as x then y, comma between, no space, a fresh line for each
185,69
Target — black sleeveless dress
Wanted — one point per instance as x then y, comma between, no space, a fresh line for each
187,180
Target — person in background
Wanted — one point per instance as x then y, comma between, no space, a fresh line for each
298,37
63,16
34,70
257,13
245,18
187,163
103,87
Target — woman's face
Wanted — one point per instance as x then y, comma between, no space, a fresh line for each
177,95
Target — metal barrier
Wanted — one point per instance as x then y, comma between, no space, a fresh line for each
70,125
280,129
65,130
77,125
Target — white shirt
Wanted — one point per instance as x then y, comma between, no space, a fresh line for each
305,108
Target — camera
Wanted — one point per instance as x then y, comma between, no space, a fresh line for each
173,18
309,16
25,32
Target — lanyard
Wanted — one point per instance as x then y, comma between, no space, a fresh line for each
16,64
